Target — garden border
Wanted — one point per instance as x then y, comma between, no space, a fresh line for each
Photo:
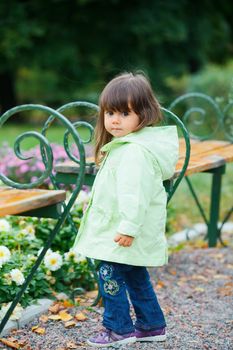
28,314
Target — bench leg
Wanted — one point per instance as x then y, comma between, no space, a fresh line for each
213,233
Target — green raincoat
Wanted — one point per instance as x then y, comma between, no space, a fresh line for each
128,197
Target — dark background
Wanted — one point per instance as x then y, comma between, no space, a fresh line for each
58,51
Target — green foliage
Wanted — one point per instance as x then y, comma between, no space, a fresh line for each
213,80
19,239
20,242
71,277
64,240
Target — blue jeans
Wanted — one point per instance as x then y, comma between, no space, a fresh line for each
115,280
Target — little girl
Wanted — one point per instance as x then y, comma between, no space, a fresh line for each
124,223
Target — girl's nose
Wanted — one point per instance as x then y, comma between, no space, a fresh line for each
116,119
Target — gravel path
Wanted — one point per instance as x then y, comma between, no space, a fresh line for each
195,291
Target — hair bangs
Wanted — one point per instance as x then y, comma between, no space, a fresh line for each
115,98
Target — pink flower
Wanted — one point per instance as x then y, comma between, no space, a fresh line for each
24,168
34,178
40,166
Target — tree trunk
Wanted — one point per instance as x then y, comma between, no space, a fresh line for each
7,91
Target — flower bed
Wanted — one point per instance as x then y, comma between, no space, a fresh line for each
62,270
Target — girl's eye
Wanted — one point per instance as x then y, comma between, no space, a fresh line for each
125,114
109,113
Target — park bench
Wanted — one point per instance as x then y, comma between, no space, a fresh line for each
28,200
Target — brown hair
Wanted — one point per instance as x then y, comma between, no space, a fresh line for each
124,90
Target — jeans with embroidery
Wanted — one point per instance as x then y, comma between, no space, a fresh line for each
115,280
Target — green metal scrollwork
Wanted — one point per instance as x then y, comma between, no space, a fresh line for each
81,123
171,116
46,149
198,117
227,121
66,141
77,124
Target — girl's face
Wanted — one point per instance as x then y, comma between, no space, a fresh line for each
119,124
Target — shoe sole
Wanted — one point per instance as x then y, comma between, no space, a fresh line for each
123,341
154,338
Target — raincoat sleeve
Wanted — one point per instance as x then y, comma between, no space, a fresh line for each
136,175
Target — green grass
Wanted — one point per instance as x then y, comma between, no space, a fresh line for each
8,133
183,210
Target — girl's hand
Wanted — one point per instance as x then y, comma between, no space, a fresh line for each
123,240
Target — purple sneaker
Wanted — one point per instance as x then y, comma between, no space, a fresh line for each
108,338
156,335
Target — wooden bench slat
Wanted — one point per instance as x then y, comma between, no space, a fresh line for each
197,167
201,147
206,161
14,201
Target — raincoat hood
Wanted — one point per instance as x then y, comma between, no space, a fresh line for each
161,141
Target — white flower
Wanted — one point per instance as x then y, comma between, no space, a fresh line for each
72,254
29,231
53,261
17,276
16,313
4,225
5,254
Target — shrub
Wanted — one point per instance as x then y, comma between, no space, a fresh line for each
213,80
